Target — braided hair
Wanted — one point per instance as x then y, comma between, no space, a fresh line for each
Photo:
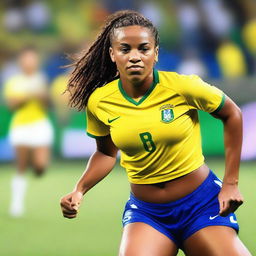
95,68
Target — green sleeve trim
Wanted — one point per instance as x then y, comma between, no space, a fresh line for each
221,104
95,137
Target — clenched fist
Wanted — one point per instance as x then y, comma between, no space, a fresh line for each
70,204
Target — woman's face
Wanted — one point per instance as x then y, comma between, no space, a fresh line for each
134,52
29,61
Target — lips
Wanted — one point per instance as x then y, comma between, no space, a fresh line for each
135,67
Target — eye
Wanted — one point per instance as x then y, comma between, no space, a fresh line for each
125,50
144,49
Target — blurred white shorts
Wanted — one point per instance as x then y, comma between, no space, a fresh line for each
33,135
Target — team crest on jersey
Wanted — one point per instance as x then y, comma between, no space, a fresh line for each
167,114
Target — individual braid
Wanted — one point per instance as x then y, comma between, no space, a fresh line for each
95,68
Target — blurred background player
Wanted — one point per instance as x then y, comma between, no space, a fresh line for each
31,133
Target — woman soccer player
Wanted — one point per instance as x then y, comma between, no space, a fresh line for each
151,117
31,133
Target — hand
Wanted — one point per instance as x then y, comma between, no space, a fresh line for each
70,204
230,199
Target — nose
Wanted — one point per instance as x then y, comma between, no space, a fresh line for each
134,56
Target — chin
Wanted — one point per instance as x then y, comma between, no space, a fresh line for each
135,72
136,76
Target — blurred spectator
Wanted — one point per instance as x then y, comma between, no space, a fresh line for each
241,10
33,15
199,24
231,60
13,19
249,35
190,23
152,11
31,133
37,15
217,18
192,64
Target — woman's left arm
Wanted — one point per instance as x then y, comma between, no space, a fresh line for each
230,197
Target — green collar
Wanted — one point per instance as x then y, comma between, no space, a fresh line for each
151,88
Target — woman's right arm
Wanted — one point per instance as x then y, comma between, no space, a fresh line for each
99,166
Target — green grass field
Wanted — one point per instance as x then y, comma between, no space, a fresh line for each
97,230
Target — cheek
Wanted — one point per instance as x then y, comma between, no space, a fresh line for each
150,56
149,60
121,60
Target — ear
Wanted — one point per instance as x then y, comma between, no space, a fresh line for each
156,54
111,54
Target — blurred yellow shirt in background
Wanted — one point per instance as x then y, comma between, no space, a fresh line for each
24,87
231,60
249,35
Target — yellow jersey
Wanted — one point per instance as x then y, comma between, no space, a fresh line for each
22,87
159,135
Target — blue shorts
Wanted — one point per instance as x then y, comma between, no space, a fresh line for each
178,220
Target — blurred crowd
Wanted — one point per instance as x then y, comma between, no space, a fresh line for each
215,39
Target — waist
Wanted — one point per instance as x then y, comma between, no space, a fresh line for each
173,190
28,115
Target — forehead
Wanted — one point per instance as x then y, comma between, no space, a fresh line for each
132,34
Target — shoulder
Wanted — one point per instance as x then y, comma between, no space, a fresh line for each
14,79
166,76
12,84
102,92
178,81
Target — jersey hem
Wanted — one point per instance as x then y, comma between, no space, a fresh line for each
153,181
16,123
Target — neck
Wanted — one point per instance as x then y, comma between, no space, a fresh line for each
137,89
29,73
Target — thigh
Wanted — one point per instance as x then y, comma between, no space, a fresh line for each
22,158
215,241
41,156
140,239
